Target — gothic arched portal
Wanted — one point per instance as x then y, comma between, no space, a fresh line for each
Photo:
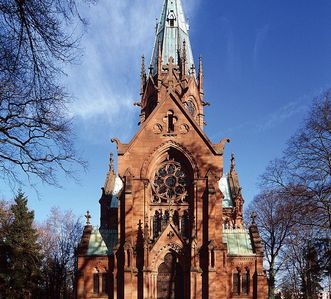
170,279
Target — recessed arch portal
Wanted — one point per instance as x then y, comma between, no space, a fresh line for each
170,278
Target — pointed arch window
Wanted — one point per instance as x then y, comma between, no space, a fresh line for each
171,18
105,283
236,283
245,282
96,283
156,224
185,225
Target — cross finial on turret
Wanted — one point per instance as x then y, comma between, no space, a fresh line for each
88,217
253,217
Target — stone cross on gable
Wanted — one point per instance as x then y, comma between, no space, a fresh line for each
88,217
170,67
170,119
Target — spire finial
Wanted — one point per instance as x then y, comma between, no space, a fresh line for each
142,75
201,77
88,217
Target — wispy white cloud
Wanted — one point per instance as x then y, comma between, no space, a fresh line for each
281,115
106,83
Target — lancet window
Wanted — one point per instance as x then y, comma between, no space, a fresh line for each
96,283
241,282
236,283
180,219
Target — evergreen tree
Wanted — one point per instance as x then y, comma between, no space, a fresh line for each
312,274
20,252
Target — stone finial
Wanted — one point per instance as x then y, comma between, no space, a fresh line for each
253,217
233,160
88,217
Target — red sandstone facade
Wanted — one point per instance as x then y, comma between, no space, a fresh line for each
171,220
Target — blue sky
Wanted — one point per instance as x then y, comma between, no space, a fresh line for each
264,62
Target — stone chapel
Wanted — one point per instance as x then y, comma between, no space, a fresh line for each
171,224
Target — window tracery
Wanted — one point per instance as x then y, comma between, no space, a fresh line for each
170,184
189,105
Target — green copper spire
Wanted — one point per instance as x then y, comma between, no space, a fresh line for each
171,32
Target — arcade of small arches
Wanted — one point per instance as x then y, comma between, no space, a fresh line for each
100,282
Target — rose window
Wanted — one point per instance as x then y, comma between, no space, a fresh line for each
170,183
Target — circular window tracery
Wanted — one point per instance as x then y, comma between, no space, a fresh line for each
190,107
170,183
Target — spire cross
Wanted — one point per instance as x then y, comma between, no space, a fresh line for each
170,67
88,217
253,217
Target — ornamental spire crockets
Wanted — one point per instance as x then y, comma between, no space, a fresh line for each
142,76
172,31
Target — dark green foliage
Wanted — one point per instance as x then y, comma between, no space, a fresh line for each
20,252
311,275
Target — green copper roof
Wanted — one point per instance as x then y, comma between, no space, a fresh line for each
102,242
223,184
171,36
238,241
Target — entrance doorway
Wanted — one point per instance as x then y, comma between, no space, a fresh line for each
170,279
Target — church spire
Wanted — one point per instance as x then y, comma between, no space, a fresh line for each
172,31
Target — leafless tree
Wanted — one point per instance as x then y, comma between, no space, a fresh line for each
35,130
59,237
305,168
302,176
276,216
